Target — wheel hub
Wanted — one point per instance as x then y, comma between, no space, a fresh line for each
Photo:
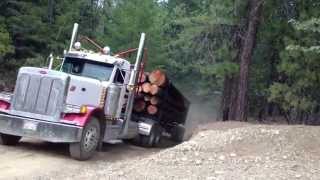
91,139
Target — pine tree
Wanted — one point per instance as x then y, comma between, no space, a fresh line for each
5,41
130,18
297,94
202,42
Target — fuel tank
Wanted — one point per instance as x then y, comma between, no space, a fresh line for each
112,101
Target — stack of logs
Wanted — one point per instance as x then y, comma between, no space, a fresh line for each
149,92
157,97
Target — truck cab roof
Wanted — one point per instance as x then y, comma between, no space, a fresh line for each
100,57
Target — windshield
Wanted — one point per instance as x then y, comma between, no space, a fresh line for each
87,68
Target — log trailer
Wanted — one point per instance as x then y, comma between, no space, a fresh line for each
87,102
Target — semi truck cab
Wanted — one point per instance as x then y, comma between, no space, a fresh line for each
86,102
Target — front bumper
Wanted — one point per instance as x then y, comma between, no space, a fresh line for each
38,129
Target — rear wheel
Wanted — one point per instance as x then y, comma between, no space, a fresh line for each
9,140
177,133
87,147
153,139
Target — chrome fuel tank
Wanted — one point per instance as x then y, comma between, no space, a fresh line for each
112,101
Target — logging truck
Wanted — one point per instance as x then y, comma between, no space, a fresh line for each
91,99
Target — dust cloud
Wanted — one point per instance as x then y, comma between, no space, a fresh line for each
201,113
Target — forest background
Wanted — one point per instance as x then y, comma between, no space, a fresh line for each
240,59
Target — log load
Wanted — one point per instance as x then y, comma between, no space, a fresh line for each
154,89
146,87
147,98
154,100
139,106
160,100
152,110
158,78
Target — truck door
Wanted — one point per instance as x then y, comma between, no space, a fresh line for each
119,80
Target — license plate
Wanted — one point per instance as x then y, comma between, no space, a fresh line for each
30,126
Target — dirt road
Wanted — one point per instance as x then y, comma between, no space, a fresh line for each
33,159
219,151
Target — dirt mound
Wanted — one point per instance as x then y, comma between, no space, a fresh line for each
248,152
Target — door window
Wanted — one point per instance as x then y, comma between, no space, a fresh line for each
120,76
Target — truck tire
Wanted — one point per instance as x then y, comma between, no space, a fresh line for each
153,139
177,133
89,142
9,140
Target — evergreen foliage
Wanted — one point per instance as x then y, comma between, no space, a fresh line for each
5,41
201,45
300,66
198,42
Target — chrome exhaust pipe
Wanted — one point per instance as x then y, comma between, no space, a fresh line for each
51,58
131,87
134,74
74,35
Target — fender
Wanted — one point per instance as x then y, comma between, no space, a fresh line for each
4,105
82,119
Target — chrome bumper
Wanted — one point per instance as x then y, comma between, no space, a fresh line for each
38,129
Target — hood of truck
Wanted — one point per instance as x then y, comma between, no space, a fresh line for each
39,93
85,91
42,93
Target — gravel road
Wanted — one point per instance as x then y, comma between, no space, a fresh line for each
223,151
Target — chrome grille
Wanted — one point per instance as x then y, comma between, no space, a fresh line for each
39,96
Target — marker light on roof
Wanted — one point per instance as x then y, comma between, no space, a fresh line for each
106,50
77,46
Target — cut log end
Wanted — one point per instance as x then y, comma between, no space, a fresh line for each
158,78
154,89
146,87
154,100
152,110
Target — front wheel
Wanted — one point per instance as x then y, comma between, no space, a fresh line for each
10,140
89,142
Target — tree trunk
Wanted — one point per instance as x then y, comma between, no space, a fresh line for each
230,86
246,56
226,99
229,98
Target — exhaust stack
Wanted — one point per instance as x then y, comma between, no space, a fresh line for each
74,35
131,87
134,77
